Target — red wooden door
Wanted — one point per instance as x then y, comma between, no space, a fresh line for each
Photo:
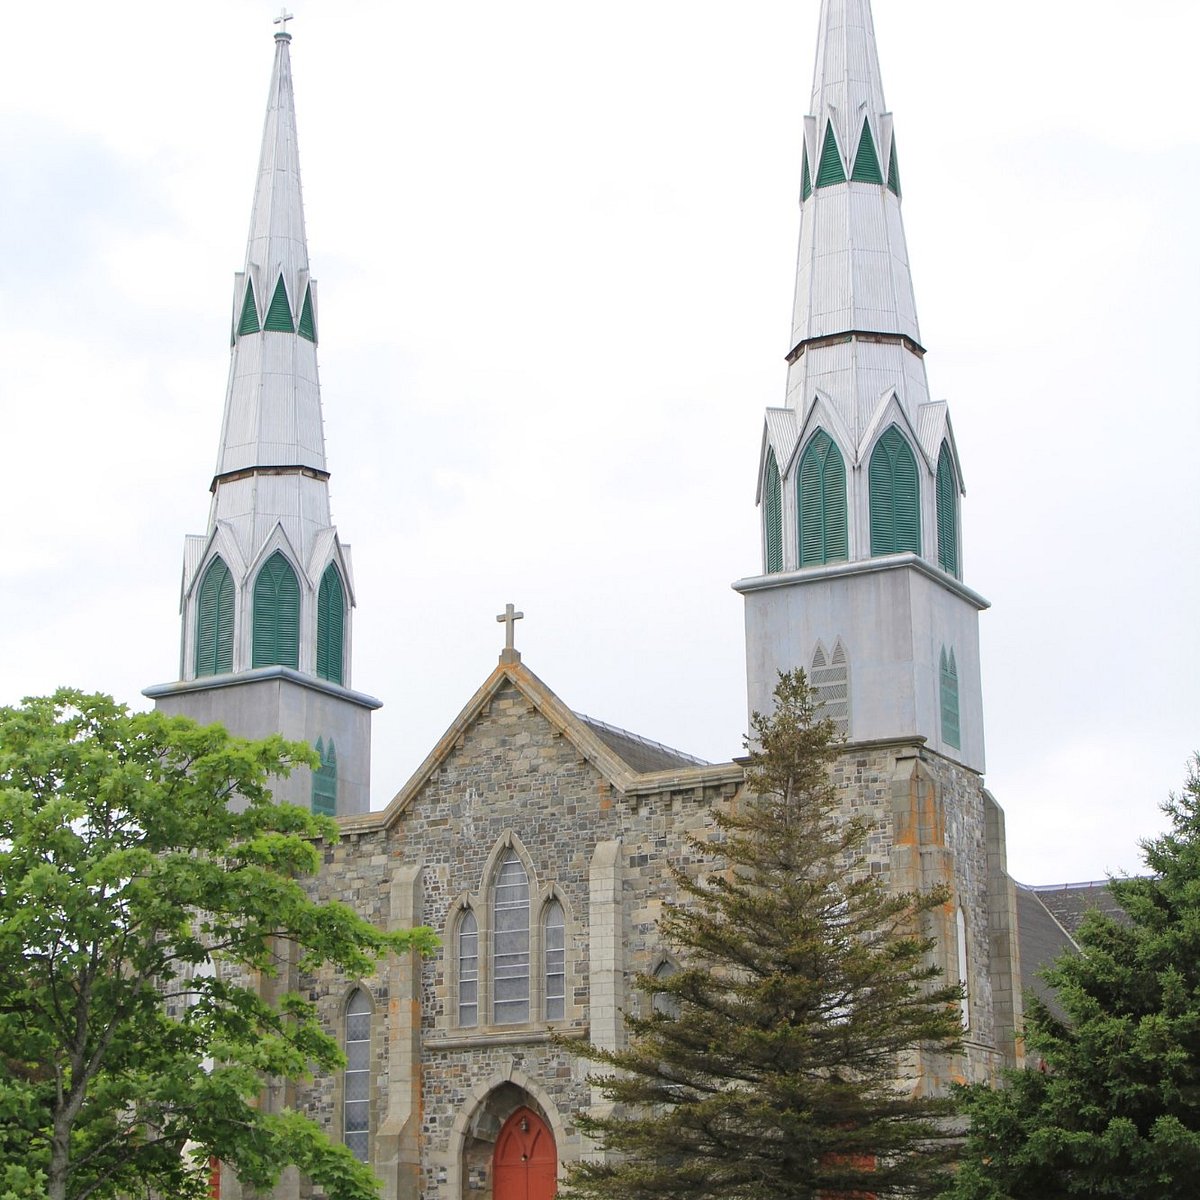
525,1166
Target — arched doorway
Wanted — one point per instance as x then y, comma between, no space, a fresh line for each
525,1166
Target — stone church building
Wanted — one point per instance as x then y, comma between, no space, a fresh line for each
534,840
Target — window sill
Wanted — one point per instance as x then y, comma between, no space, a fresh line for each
503,1036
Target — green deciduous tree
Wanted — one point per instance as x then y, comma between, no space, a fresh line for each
1111,1106
771,1072
148,884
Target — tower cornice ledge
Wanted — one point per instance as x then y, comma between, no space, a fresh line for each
279,469
867,566
209,683
854,335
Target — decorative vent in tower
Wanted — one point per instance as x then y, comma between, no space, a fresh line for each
772,493
249,321
947,512
893,181
276,615
948,673
821,502
331,626
324,780
805,176
866,161
829,679
308,325
279,315
214,621
895,496
830,169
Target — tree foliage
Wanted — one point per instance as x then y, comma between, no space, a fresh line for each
771,1071
1112,1105
148,884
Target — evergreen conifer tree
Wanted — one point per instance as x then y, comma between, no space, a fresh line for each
770,1072
1111,1105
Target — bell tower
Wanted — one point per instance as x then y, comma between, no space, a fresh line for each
268,591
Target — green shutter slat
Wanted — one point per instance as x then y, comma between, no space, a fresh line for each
276,632
773,514
895,496
830,169
331,626
308,326
324,781
948,673
866,161
805,175
947,512
821,502
249,321
279,315
893,169
214,621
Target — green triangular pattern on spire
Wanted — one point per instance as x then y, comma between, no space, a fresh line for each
866,161
805,176
830,169
279,315
307,327
893,170
249,321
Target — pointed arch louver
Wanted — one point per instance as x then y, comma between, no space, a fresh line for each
772,493
948,674
893,178
895,497
276,630
249,319
829,678
331,626
830,170
214,621
279,315
805,175
821,502
947,511
866,161
324,780
307,327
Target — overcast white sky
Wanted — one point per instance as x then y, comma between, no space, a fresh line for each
556,245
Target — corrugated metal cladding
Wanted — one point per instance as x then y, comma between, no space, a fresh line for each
931,427
781,432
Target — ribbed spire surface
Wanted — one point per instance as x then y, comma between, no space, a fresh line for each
271,462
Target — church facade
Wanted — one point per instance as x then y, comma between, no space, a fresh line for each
537,841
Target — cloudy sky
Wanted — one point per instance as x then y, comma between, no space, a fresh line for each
555,245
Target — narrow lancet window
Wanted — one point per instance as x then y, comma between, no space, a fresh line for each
276,615
331,626
324,781
468,970
821,502
948,673
772,503
214,621
947,511
356,1079
895,496
554,945
665,1002
510,942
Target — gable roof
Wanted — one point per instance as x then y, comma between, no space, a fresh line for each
604,746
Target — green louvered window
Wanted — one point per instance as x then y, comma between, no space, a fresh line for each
324,780
249,321
214,621
821,502
331,625
866,161
948,671
772,493
276,615
895,496
308,325
830,169
947,512
279,315
805,175
893,169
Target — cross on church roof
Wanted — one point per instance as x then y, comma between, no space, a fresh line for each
282,20
509,617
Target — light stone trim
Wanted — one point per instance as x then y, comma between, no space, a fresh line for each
607,966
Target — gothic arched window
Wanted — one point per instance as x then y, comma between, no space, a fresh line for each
324,780
331,626
960,930
829,679
214,621
468,970
510,942
664,1002
772,503
948,674
356,1079
821,502
947,512
895,496
554,953
276,615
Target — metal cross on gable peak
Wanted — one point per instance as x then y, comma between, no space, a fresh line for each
509,617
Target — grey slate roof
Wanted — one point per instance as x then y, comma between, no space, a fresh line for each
1069,902
641,754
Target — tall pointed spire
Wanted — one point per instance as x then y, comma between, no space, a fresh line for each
273,402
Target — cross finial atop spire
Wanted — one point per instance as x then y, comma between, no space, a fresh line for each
509,617
282,20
